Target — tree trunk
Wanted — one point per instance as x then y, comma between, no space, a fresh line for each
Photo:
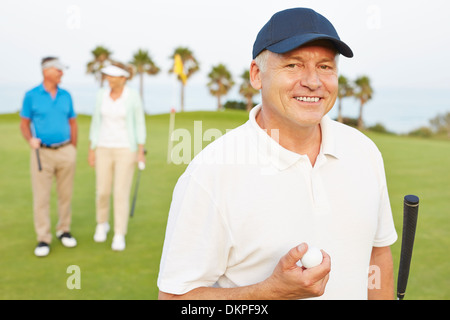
141,88
182,97
219,103
249,103
360,118
102,79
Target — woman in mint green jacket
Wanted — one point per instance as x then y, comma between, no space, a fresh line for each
117,138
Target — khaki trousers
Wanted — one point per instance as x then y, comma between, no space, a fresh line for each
114,169
58,163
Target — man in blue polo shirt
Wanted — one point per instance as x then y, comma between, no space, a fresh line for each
48,124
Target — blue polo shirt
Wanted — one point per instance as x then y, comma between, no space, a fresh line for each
50,116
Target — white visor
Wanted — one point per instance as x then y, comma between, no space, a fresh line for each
55,63
114,71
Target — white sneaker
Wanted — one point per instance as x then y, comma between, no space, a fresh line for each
101,231
66,239
42,249
118,243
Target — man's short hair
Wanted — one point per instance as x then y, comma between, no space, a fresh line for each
44,60
261,59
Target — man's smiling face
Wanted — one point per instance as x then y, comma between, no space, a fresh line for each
299,87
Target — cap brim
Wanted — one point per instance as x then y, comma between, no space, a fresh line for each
114,71
292,43
61,67
54,64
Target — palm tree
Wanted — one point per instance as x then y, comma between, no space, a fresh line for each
363,93
345,90
190,66
102,57
246,89
143,64
220,82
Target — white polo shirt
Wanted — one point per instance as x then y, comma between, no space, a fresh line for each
245,201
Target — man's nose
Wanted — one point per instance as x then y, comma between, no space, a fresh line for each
310,79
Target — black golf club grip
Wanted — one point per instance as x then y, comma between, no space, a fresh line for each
410,213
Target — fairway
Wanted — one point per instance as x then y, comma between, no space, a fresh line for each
413,165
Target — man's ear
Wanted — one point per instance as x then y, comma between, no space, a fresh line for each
255,76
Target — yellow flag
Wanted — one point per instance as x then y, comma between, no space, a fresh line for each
178,68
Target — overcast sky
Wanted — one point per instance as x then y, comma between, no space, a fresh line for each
401,43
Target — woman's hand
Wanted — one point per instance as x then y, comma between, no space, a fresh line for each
91,158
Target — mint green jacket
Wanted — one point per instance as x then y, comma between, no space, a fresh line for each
135,119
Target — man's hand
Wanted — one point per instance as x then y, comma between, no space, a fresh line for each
34,143
289,281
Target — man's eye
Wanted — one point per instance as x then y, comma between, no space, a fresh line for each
326,67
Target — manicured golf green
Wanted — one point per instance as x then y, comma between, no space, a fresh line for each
413,166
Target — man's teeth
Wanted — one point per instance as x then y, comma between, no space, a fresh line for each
308,99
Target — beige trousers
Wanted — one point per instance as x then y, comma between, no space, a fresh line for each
59,163
114,169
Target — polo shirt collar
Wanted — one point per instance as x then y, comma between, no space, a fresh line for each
329,133
281,157
42,89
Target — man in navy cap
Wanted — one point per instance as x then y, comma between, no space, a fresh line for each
249,206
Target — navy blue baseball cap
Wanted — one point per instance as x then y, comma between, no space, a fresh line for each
292,28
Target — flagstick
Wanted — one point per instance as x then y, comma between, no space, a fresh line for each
178,69
171,128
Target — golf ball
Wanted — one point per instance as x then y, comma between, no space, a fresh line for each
312,258
141,165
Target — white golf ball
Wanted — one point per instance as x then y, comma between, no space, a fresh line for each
141,165
312,258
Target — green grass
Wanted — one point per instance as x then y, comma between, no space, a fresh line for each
421,167
413,166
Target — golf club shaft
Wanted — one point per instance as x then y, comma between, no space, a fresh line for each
410,213
133,205
38,160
